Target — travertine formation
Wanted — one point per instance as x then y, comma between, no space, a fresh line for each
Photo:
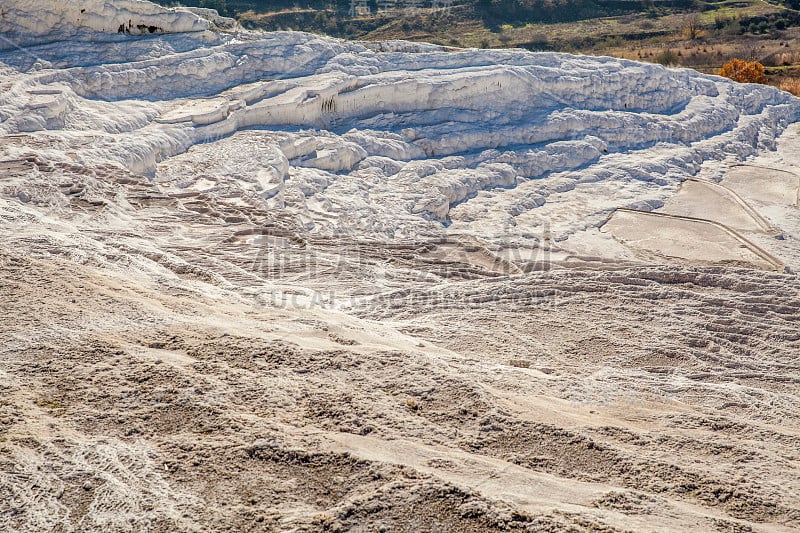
281,282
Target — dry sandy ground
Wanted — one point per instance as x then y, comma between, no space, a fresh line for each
216,348
168,388
643,399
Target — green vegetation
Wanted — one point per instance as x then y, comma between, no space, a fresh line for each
668,58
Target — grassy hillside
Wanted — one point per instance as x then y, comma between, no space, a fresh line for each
491,12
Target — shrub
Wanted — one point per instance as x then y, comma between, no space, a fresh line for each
667,57
791,85
743,71
720,21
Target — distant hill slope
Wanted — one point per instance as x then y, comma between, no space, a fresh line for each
490,11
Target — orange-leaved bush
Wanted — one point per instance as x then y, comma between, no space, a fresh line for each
743,71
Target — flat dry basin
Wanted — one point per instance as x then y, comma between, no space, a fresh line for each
657,236
763,184
706,200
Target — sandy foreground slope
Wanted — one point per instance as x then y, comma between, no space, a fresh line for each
283,283
646,398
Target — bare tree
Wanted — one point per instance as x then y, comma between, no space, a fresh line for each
693,28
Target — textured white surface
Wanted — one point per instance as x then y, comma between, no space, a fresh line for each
36,21
414,137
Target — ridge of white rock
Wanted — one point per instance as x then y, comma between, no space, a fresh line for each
416,138
35,21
